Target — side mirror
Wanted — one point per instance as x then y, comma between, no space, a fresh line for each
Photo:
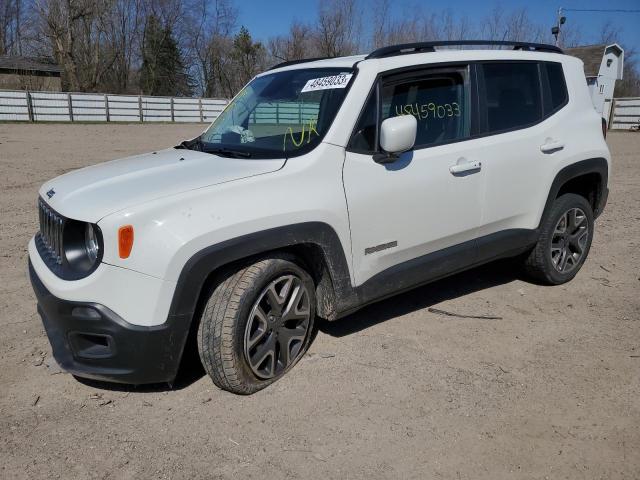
397,135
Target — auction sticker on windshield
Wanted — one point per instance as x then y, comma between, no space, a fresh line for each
324,83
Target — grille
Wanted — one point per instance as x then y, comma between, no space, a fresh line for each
51,227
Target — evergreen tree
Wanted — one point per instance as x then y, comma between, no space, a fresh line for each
247,55
163,70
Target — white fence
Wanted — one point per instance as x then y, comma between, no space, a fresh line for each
293,113
626,113
97,107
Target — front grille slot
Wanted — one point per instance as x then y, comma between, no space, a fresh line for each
51,229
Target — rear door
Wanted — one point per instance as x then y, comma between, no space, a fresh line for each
430,198
522,124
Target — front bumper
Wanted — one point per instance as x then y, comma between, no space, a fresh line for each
91,341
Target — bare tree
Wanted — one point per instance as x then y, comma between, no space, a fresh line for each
515,26
10,27
298,44
99,43
76,31
337,28
122,39
208,30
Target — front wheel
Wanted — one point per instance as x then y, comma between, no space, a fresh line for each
257,324
565,239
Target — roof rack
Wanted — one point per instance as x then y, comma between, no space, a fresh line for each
295,62
421,47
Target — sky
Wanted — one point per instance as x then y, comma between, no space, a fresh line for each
266,18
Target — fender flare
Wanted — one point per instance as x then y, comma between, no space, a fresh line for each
598,166
202,264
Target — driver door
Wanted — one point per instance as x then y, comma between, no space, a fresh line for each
419,215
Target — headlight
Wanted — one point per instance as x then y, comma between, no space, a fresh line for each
72,249
91,244
82,248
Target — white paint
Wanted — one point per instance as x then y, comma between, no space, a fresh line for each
603,85
398,134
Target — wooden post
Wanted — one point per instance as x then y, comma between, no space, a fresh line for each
106,107
201,113
69,101
140,106
611,113
30,107
173,118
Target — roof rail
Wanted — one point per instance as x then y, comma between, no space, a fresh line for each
295,62
420,47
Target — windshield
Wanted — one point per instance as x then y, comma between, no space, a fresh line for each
278,115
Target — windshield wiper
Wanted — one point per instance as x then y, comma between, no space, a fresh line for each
228,152
195,144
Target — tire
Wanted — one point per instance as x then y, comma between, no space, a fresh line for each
559,255
251,312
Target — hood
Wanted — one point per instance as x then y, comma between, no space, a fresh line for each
91,193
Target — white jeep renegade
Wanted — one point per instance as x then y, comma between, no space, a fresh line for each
325,185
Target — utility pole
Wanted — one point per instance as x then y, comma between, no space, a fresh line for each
555,30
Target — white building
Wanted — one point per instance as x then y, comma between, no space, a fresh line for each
602,66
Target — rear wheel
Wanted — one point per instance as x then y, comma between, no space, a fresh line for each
565,239
257,324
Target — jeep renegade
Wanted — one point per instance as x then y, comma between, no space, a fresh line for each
323,186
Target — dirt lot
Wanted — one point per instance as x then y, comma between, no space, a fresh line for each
550,390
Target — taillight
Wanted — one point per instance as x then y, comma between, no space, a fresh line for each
604,128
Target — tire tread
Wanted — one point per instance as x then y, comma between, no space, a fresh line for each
218,329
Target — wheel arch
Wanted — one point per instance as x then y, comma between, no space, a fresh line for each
315,244
588,178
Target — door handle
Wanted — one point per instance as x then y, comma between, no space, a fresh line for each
465,167
551,147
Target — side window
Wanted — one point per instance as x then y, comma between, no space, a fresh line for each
437,99
512,95
557,88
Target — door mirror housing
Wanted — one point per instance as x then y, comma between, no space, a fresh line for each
397,135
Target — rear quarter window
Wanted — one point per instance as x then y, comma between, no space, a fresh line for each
556,95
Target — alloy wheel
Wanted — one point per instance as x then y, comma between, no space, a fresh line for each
569,240
277,327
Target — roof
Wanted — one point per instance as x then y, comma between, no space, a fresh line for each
439,56
412,49
336,62
14,62
591,56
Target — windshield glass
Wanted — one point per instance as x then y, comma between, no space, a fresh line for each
279,115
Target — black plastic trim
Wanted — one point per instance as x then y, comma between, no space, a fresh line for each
198,268
593,165
288,63
442,263
133,354
429,47
347,298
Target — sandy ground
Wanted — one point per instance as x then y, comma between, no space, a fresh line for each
550,390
